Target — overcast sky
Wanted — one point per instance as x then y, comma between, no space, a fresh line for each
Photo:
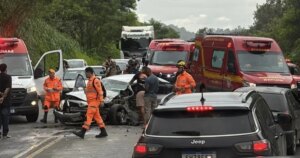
195,14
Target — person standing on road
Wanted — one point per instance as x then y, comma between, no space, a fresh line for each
113,69
139,91
108,62
184,81
133,65
94,96
53,88
5,88
151,89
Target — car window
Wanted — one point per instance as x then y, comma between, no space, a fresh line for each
266,113
212,123
292,100
99,71
217,59
275,102
72,74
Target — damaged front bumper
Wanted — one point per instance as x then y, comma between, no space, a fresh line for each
69,118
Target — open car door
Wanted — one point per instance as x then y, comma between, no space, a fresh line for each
52,59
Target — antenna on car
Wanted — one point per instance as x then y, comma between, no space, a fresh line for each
202,87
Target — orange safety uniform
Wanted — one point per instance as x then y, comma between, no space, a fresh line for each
52,97
94,96
185,83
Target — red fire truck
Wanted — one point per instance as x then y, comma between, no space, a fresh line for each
225,63
164,54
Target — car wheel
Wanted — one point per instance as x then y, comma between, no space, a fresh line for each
118,115
32,117
293,148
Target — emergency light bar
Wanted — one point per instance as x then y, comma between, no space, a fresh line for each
258,44
8,42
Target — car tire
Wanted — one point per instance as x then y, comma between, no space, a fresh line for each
32,117
118,115
293,148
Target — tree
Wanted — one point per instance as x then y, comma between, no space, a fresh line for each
161,30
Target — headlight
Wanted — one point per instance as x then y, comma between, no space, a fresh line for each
31,89
248,84
169,75
293,86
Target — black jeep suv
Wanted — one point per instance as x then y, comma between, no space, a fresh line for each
226,124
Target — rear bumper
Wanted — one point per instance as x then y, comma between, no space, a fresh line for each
27,107
69,118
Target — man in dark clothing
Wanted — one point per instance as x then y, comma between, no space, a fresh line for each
5,87
151,89
133,65
139,90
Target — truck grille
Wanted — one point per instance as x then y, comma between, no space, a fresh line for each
18,95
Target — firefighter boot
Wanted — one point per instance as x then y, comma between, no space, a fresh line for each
80,133
102,133
55,118
44,120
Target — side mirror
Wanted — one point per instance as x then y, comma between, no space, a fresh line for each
283,118
292,71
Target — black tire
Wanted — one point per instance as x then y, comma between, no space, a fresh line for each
118,115
293,148
32,117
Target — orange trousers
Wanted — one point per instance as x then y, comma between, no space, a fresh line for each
49,104
93,113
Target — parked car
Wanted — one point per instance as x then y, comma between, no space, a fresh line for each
227,125
99,71
119,105
69,79
282,101
75,63
295,71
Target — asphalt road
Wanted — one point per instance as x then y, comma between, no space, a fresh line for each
37,140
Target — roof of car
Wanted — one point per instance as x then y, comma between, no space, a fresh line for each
74,69
97,66
277,90
74,59
226,100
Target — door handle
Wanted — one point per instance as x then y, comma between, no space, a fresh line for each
276,137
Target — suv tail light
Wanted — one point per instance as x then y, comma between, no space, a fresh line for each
261,147
143,149
140,149
199,108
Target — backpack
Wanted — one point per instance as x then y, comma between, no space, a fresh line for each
103,88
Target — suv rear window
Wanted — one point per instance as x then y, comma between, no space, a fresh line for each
275,102
182,123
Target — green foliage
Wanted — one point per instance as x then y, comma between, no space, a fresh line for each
280,19
161,30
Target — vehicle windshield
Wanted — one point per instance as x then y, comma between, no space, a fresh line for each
122,65
130,44
72,74
275,102
262,62
75,64
99,71
168,57
114,85
185,123
17,64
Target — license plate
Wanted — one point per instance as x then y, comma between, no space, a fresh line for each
12,111
199,155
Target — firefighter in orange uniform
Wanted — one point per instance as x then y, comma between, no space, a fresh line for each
94,95
184,81
52,87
